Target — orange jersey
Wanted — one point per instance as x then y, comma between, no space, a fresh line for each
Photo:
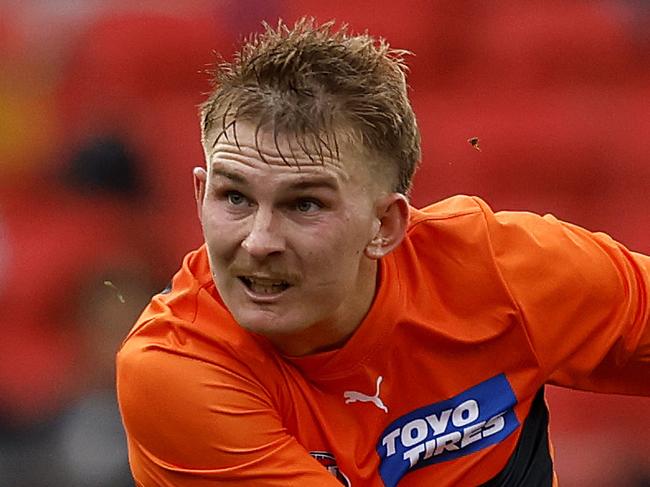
441,384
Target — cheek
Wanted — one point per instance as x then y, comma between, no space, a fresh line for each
356,236
220,230
222,246
337,253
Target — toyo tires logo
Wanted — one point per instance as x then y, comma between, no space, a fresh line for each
479,417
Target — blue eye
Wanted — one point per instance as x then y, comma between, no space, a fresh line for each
307,206
235,198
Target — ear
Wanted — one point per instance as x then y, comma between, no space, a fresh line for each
392,221
200,177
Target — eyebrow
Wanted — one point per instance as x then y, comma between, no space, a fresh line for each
315,182
233,176
304,183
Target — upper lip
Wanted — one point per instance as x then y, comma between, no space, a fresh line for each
261,277
266,279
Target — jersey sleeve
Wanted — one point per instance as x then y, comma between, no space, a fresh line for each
191,423
583,298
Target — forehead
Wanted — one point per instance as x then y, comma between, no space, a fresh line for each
244,145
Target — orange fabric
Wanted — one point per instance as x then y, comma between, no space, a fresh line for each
470,296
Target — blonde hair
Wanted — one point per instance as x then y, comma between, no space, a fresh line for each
314,81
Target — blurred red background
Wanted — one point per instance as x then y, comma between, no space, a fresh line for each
99,132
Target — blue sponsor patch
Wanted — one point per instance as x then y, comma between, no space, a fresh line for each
472,420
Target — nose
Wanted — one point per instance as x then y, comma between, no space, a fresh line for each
265,235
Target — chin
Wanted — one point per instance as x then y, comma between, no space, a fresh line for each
268,323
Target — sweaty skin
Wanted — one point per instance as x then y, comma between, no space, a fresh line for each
293,242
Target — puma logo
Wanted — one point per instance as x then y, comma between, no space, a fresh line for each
354,396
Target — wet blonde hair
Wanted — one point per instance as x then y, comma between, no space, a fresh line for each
318,83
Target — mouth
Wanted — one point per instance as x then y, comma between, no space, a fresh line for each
264,286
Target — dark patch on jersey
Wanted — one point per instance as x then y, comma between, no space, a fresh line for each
167,289
327,460
530,465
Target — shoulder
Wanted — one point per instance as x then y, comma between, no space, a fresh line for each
462,248
466,222
184,405
446,269
185,340
448,209
453,229
187,370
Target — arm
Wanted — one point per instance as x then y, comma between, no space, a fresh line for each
191,423
583,298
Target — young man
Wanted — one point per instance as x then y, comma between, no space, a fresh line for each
328,333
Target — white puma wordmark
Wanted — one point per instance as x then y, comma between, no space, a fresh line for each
354,396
